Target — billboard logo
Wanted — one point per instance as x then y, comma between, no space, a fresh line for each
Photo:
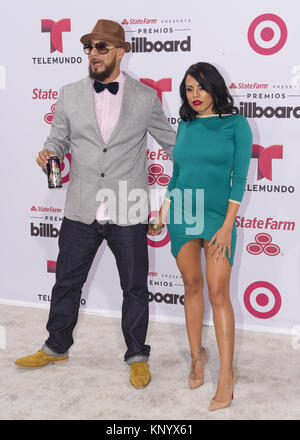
263,244
46,230
143,45
160,86
262,300
56,29
156,175
267,34
265,157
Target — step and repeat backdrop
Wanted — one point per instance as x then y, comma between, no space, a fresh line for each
256,48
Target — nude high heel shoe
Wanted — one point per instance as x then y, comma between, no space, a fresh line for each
216,404
197,369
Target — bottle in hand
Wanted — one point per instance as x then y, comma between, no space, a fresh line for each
54,172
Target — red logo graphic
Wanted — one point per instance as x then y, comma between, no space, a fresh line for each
233,86
33,208
48,118
265,156
56,29
163,85
263,244
267,34
125,21
65,168
162,238
262,300
51,266
156,175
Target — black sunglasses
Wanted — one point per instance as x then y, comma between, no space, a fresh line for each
101,47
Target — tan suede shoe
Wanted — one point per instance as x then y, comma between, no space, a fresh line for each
40,359
139,374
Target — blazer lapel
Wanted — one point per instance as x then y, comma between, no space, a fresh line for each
89,102
128,100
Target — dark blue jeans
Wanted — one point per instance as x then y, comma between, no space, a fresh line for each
78,244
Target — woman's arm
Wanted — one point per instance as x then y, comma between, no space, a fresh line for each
241,161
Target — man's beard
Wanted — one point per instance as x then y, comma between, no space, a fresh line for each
102,76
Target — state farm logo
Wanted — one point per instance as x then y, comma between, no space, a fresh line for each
254,85
268,223
160,86
265,157
50,209
263,244
48,118
156,175
56,29
139,21
267,34
160,240
262,300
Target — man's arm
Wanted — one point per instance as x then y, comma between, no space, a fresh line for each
160,128
58,140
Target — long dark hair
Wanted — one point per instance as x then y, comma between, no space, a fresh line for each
212,81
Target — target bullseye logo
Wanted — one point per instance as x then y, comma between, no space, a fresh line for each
262,299
263,244
267,34
156,175
162,238
65,168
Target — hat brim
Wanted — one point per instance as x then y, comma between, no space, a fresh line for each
105,37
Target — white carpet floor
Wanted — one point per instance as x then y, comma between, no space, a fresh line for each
94,384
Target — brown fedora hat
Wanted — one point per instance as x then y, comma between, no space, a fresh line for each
109,31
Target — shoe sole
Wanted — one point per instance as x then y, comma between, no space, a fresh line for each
41,366
139,388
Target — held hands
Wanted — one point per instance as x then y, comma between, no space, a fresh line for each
156,225
42,157
153,231
222,239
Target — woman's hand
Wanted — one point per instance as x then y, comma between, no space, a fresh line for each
222,239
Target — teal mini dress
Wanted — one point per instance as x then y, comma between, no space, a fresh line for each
211,154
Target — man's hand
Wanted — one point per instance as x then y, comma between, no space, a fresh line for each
42,157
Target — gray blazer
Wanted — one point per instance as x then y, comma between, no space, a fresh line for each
120,165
